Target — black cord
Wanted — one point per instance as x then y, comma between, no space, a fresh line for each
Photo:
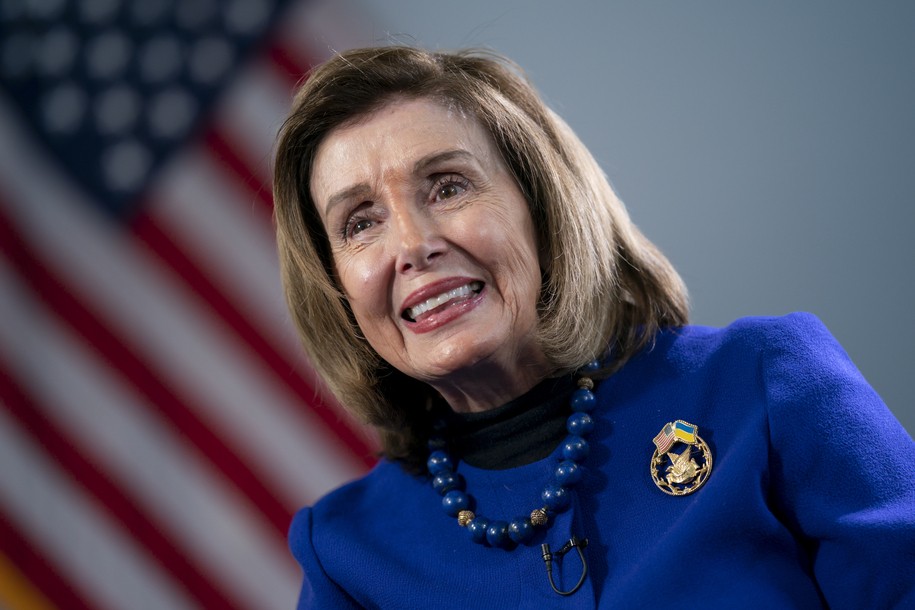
573,543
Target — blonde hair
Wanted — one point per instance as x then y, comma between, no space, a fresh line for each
605,286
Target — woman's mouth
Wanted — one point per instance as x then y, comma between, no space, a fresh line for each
441,301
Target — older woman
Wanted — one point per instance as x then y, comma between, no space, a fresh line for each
554,434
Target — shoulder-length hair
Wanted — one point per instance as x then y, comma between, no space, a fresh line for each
605,286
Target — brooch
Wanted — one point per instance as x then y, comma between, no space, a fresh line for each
680,473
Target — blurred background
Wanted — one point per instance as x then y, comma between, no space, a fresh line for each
158,422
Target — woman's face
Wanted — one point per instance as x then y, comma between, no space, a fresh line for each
433,245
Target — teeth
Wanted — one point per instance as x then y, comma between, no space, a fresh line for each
443,298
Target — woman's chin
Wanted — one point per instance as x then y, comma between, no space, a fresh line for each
478,368
452,360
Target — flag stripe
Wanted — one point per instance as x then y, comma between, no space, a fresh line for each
232,245
230,241
16,591
251,117
140,453
113,350
120,508
157,408
289,65
221,150
134,296
51,509
312,31
147,230
36,568
245,133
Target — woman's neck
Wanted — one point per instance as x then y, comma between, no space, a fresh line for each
522,431
490,385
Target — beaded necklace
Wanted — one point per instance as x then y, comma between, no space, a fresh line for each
555,496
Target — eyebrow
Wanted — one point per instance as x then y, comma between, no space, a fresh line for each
357,190
437,157
363,189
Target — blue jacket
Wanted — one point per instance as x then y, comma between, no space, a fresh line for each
810,501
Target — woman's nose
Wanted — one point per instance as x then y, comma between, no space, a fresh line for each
419,242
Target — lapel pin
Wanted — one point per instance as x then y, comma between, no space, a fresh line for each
682,461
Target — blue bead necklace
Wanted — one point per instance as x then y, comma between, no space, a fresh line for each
556,496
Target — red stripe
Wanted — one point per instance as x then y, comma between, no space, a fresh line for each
294,68
146,229
249,180
117,505
38,570
115,352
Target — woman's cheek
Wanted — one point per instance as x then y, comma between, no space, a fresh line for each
357,279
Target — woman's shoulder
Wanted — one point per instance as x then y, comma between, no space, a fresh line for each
364,493
358,499
796,336
792,363
328,534
792,331
781,360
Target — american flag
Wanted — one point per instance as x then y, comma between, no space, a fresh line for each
158,423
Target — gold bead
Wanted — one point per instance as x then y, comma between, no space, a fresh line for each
539,517
586,383
465,517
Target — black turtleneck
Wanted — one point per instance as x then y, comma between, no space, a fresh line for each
519,432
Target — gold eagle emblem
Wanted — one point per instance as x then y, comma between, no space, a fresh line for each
685,472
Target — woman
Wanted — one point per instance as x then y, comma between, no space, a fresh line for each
554,434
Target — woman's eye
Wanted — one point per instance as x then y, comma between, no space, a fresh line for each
448,191
359,226
450,187
355,226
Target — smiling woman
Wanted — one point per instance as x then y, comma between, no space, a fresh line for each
482,129
435,250
467,282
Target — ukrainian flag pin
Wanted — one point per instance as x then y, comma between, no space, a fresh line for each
680,473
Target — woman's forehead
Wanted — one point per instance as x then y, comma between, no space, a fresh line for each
420,120
396,137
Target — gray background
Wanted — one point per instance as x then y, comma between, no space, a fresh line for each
767,147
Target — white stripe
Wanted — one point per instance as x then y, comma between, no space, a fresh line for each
208,520
230,239
253,112
89,551
158,317
317,29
